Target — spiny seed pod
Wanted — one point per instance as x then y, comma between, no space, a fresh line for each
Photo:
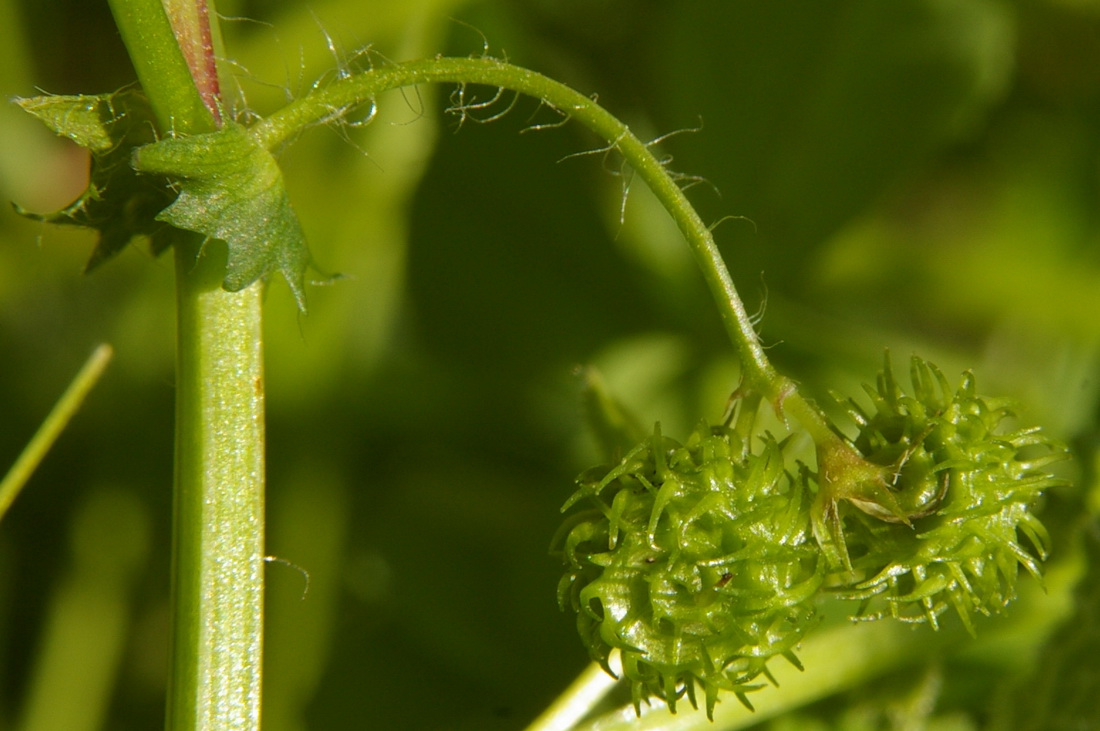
696,561
959,524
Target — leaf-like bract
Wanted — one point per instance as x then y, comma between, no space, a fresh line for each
117,203
231,188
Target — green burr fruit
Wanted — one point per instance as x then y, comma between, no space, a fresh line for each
962,486
696,561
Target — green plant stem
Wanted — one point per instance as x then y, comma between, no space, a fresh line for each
190,21
218,522
758,372
51,428
219,502
161,67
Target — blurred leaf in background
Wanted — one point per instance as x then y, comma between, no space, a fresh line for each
920,174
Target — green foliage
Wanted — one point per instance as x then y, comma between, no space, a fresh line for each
231,189
117,203
227,188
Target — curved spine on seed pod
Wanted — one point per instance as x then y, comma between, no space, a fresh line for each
695,560
960,487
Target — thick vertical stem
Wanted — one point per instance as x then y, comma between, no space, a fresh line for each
161,66
190,20
219,502
218,528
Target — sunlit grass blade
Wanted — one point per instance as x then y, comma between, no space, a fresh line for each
586,692
52,427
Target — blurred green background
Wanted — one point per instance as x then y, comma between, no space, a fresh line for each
922,175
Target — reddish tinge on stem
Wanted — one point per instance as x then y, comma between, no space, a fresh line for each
190,21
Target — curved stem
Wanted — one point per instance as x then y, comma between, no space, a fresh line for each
758,371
